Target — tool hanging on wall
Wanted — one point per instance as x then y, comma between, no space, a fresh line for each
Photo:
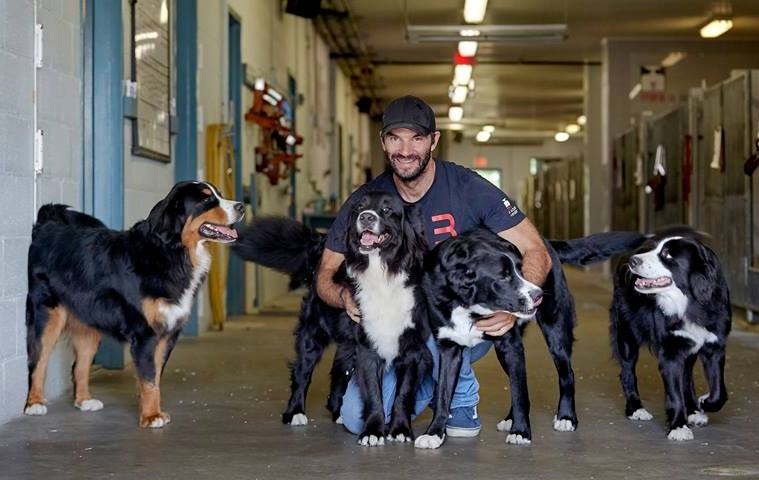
275,154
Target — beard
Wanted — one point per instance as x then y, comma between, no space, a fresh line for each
393,163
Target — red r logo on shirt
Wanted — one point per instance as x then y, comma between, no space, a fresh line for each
450,228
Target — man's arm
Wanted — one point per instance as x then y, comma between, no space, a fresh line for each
536,263
331,293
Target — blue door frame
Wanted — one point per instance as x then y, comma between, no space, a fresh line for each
186,156
236,272
103,149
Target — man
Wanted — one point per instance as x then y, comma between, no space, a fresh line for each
452,199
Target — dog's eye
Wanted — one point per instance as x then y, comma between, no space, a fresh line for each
385,210
665,254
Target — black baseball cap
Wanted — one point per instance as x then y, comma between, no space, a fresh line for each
408,112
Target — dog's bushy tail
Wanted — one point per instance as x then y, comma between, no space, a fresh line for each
597,247
282,244
64,215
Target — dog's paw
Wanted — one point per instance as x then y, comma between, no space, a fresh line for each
517,439
90,405
641,414
698,419
400,435
366,440
159,420
504,425
563,425
680,434
703,398
429,441
299,420
35,409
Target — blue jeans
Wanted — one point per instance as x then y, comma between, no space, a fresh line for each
465,395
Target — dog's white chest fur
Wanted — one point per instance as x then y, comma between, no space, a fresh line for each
462,330
175,313
696,334
386,306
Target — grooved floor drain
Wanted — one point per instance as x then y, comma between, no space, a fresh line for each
730,471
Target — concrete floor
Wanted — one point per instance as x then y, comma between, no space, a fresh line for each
225,392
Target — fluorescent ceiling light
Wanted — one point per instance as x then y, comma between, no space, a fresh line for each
483,136
455,126
456,113
534,33
673,58
716,27
459,94
488,128
572,128
582,120
561,136
462,74
469,33
474,10
467,48
635,91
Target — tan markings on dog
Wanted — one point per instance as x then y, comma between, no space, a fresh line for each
191,230
150,390
85,340
151,309
207,191
56,321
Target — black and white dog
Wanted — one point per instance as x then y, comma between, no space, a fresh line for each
673,296
385,248
384,262
478,273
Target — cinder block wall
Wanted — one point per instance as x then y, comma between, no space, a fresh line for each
60,116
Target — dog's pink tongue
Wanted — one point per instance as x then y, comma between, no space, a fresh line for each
368,239
230,232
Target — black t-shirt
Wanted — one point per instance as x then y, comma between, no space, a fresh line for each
458,200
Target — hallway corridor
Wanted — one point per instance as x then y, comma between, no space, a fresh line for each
225,392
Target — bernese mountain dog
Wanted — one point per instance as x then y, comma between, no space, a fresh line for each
383,267
384,263
672,296
137,286
478,273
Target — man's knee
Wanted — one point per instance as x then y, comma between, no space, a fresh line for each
352,411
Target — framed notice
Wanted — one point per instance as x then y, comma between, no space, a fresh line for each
151,71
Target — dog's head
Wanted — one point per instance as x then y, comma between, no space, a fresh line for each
194,212
484,270
381,224
679,265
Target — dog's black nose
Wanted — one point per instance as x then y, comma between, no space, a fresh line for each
240,208
635,261
367,217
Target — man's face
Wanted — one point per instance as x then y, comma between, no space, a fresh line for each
408,152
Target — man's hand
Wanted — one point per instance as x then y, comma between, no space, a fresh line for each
496,324
351,308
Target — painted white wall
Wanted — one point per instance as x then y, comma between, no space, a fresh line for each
59,115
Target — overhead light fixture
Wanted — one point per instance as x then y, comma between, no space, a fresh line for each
474,10
534,33
455,113
462,74
582,120
561,136
469,32
572,128
467,48
635,91
488,128
483,136
459,94
455,126
673,58
716,27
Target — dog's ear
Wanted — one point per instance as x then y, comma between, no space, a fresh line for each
704,274
413,232
167,217
459,274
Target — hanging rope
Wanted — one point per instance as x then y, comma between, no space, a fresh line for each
220,172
